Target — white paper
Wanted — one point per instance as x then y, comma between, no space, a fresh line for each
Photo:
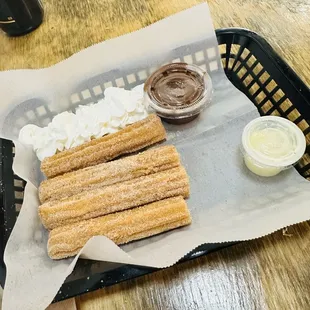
227,202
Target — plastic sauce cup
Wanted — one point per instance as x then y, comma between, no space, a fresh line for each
271,144
178,92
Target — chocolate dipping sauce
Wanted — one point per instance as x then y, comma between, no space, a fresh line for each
178,92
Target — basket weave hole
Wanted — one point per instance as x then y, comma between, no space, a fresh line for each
251,60
107,84
52,109
303,125
120,82
21,121
18,183
279,94
234,49
308,138
75,98
142,75
86,93
199,56
271,86
285,105
254,88
41,110
131,78
260,97
275,113
203,67
19,194
242,72
257,69
30,115
266,107
18,207
248,80
188,59
97,90
231,62
176,60
264,77
222,49
305,160
292,116
245,53
238,64
213,66
211,53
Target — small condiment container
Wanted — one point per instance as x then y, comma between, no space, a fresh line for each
271,144
178,92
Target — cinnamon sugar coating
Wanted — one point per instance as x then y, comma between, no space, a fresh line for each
128,168
116,197
120,227
128,140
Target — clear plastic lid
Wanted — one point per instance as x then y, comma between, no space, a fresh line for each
178,90
273,141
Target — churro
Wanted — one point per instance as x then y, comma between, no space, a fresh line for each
130,139
145,163
120,227
116,197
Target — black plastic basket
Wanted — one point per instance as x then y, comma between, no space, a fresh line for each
253,67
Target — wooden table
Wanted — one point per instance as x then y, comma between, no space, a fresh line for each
269,273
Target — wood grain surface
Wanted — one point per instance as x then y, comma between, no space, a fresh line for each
269,273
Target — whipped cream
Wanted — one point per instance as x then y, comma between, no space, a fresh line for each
119,108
